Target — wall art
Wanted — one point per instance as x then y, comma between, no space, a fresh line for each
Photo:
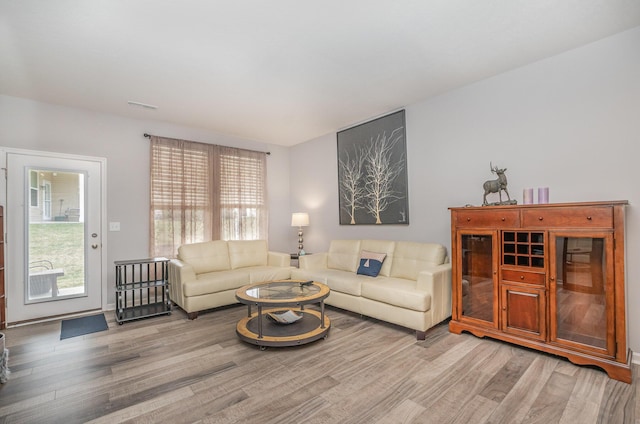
372,172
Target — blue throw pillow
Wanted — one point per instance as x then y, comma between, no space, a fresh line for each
370,263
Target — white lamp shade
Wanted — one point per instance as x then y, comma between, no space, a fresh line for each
299,219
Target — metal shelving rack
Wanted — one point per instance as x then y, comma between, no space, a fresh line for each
142,289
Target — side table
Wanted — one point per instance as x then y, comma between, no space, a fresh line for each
295,259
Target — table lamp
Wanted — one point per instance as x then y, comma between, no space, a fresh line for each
300,219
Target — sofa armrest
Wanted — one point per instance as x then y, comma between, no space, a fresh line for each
278,259
437,282
179,273
313,262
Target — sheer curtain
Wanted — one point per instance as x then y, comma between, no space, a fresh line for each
204,192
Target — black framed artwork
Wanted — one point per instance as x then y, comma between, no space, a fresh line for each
372,172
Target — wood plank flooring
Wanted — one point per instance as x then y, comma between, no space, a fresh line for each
171,370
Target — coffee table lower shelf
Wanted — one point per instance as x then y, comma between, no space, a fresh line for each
306,330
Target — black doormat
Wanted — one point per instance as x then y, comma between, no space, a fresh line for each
83,325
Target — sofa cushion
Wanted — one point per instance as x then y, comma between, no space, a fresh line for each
309,274
260,274
382,246
410,258
206,256
214,282
344,255
244,253
345,282
370,263
396,291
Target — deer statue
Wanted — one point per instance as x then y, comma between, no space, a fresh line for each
497,185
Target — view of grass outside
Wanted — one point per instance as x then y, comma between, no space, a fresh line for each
61,244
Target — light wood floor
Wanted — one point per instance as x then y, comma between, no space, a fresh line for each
171,370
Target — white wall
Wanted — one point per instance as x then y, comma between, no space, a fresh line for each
26,124
570,122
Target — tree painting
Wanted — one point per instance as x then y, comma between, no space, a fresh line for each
372,172
351,190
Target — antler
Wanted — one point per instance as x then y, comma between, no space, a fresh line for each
493,169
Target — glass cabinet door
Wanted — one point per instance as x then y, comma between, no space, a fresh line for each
478,285
582,291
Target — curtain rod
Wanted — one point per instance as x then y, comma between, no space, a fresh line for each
266,153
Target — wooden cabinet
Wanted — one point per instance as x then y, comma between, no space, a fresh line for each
3,321
548,277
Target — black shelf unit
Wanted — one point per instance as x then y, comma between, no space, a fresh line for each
142,289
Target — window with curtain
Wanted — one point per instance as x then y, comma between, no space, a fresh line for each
204,192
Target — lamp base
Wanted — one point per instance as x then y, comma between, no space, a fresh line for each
300,248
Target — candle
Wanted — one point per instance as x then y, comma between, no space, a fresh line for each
527,195
543,195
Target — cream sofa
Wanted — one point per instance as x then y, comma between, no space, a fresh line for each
413,288
206,275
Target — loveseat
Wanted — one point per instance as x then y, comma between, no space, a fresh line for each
206,275
412,287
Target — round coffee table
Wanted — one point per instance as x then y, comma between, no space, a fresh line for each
275,298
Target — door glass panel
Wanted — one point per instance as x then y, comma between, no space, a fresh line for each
477,277
56,236
580,290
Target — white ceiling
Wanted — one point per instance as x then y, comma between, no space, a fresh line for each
280,71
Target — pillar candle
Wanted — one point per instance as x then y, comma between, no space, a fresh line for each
543,195
527,195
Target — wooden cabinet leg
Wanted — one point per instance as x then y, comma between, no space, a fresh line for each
192,315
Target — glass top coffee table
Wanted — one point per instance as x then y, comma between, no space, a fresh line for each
281,318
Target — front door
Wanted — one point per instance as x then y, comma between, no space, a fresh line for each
54,235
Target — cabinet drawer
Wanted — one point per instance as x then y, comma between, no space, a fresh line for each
595,217
490,219
535,278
